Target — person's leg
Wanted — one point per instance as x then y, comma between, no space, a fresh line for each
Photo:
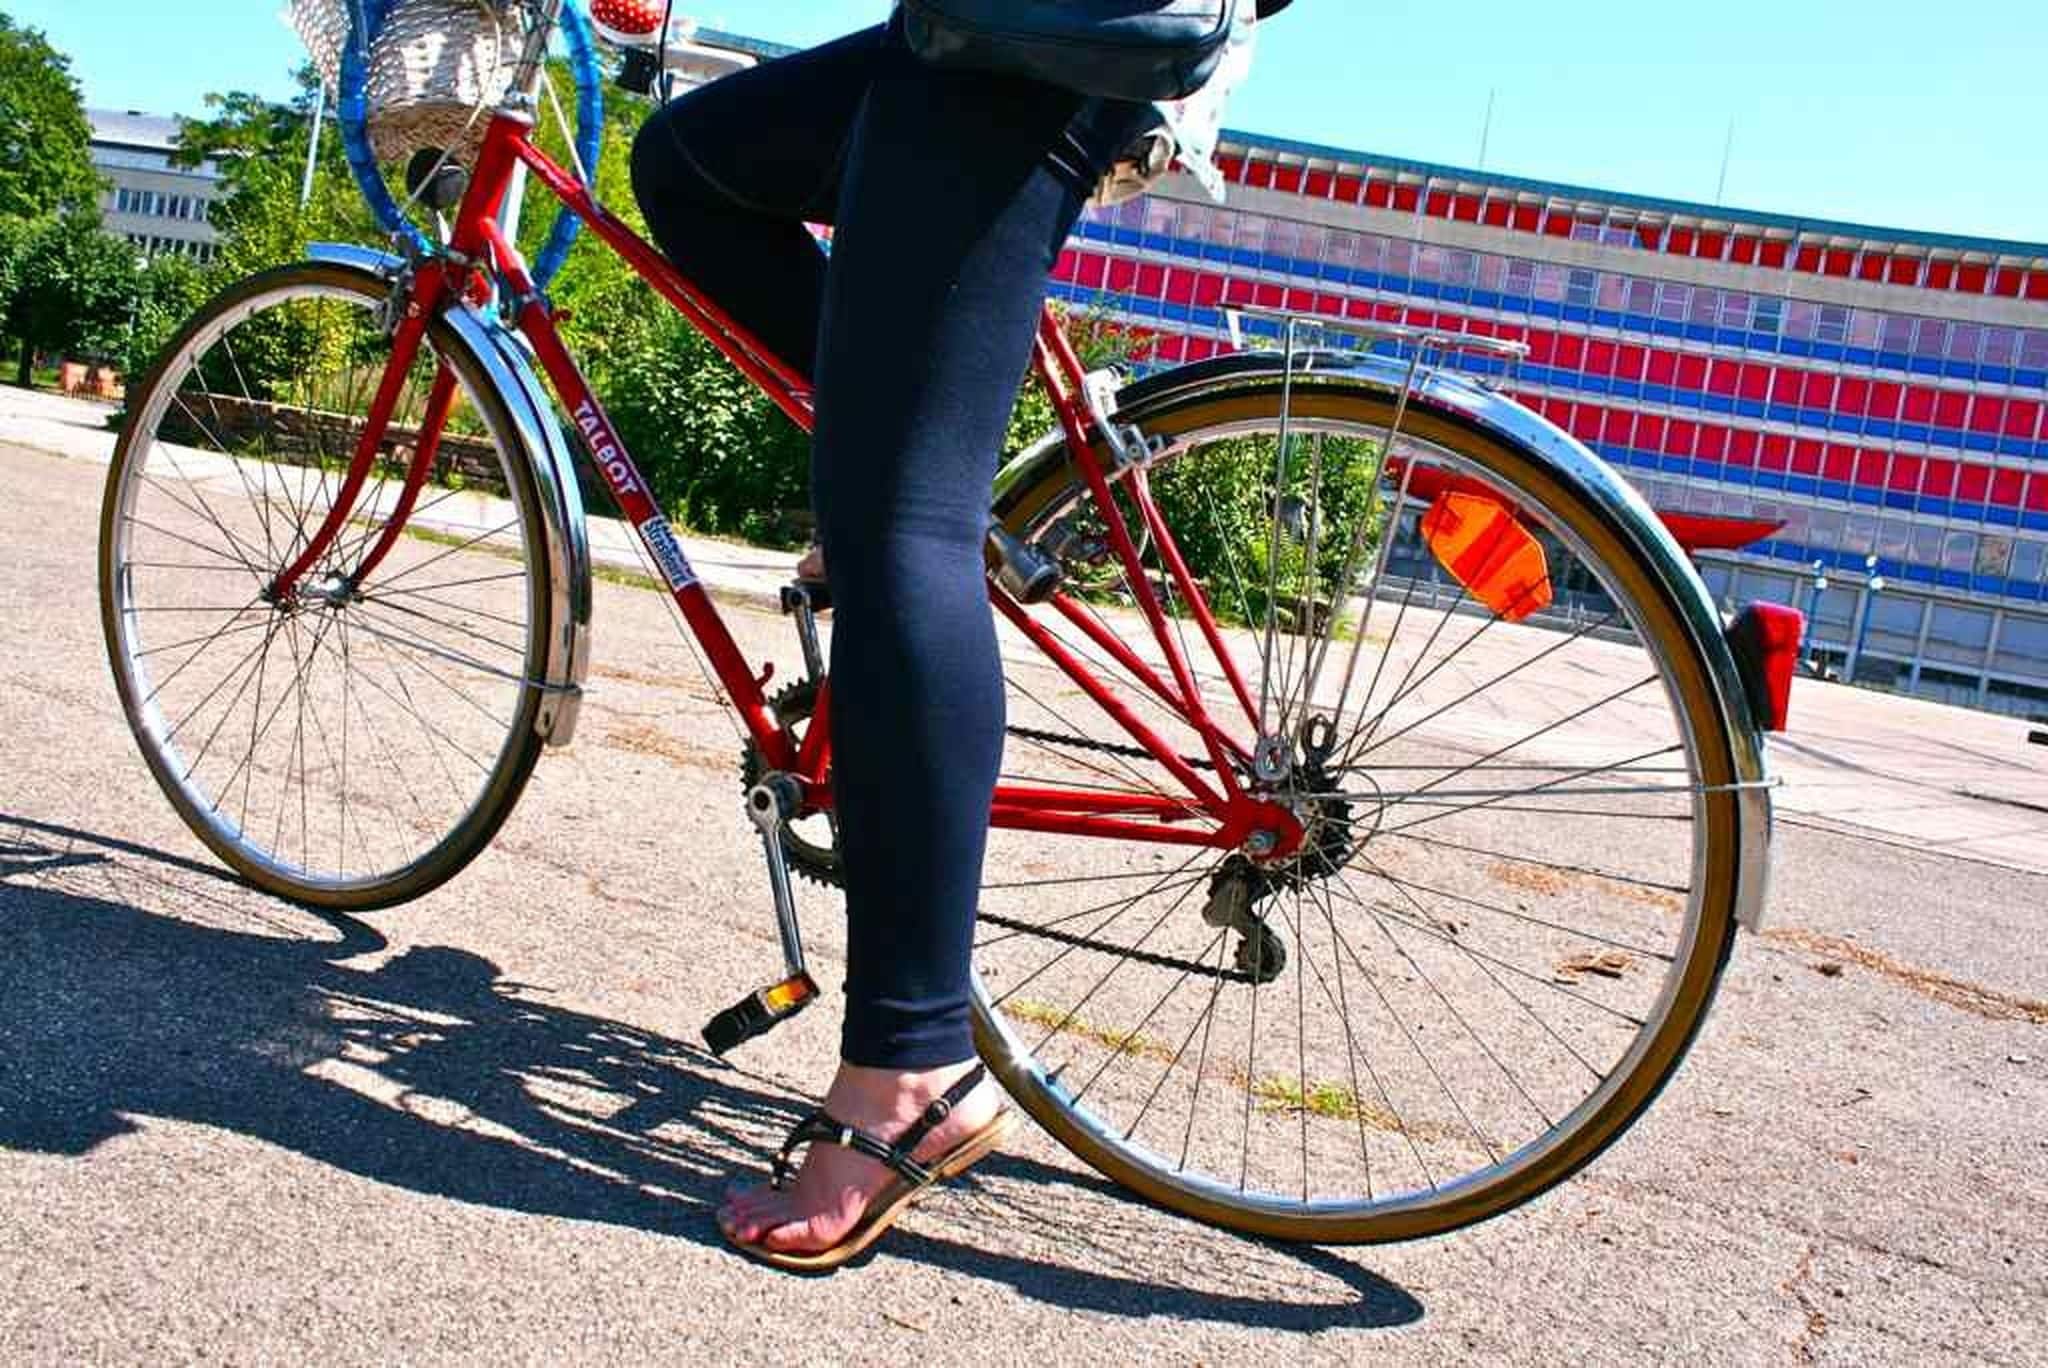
950,217
728,174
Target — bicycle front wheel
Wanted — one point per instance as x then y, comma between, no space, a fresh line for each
356,743
1515,893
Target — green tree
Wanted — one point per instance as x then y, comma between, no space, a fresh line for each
718,454
260,148
167,291
73,288
45,161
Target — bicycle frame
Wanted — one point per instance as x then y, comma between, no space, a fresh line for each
1216,811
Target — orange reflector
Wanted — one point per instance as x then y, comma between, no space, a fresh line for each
789,994
1492,555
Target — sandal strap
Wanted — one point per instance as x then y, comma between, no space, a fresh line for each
821,1127
941,1108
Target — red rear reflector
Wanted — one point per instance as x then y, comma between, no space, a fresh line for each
1765,638
1479,542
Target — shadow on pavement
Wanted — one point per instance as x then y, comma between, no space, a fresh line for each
137,983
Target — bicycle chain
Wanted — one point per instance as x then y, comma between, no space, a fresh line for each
1102,747
1142,956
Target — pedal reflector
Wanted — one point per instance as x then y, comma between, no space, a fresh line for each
759,1012
1487,550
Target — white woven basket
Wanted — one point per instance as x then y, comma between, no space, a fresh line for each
437,69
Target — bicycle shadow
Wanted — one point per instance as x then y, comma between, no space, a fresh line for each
138,983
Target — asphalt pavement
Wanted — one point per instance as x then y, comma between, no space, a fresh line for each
481,1126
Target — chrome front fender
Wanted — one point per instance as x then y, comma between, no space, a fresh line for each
505,362
1461,400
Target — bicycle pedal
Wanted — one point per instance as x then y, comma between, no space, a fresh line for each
801,594
758,1013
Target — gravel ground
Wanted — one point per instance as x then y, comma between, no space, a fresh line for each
479,1126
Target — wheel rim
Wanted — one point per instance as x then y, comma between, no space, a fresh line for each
1357,1124
343,743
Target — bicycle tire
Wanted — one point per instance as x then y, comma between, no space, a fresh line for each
1704,946
457,833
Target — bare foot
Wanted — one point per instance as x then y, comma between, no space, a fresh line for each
833,1188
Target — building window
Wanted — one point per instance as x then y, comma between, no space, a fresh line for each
1958,633
2023,645
2001,346
1994,554
1964,342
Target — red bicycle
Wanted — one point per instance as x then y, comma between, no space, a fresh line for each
1381,794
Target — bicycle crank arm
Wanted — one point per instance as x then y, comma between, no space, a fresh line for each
777,796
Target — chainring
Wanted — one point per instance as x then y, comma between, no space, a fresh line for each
821,864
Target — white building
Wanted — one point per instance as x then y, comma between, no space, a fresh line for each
157,205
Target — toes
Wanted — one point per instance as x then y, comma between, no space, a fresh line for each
750,1223
740,1198
806,1236
743,1196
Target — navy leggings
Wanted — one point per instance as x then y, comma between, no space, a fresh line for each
950,195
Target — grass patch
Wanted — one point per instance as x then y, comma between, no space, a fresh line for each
1133,1043
1331,1101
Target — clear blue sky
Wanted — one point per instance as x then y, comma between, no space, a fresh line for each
1894,112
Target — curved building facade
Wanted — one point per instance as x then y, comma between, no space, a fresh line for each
1882,394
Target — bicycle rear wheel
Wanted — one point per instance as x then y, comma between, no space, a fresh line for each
1516,892
356,743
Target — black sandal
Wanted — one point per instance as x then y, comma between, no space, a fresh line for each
910,1180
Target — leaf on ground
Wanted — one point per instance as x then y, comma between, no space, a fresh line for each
1607,964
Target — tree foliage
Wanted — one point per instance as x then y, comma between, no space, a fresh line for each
260,147
73,291
45,161
167,291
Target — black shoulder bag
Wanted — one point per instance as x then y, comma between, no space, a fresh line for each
1137,50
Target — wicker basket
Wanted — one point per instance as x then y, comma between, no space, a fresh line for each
437,69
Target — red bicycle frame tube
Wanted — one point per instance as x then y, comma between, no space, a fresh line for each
1218,813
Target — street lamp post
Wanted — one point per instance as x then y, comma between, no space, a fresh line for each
1820,586
1873,585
